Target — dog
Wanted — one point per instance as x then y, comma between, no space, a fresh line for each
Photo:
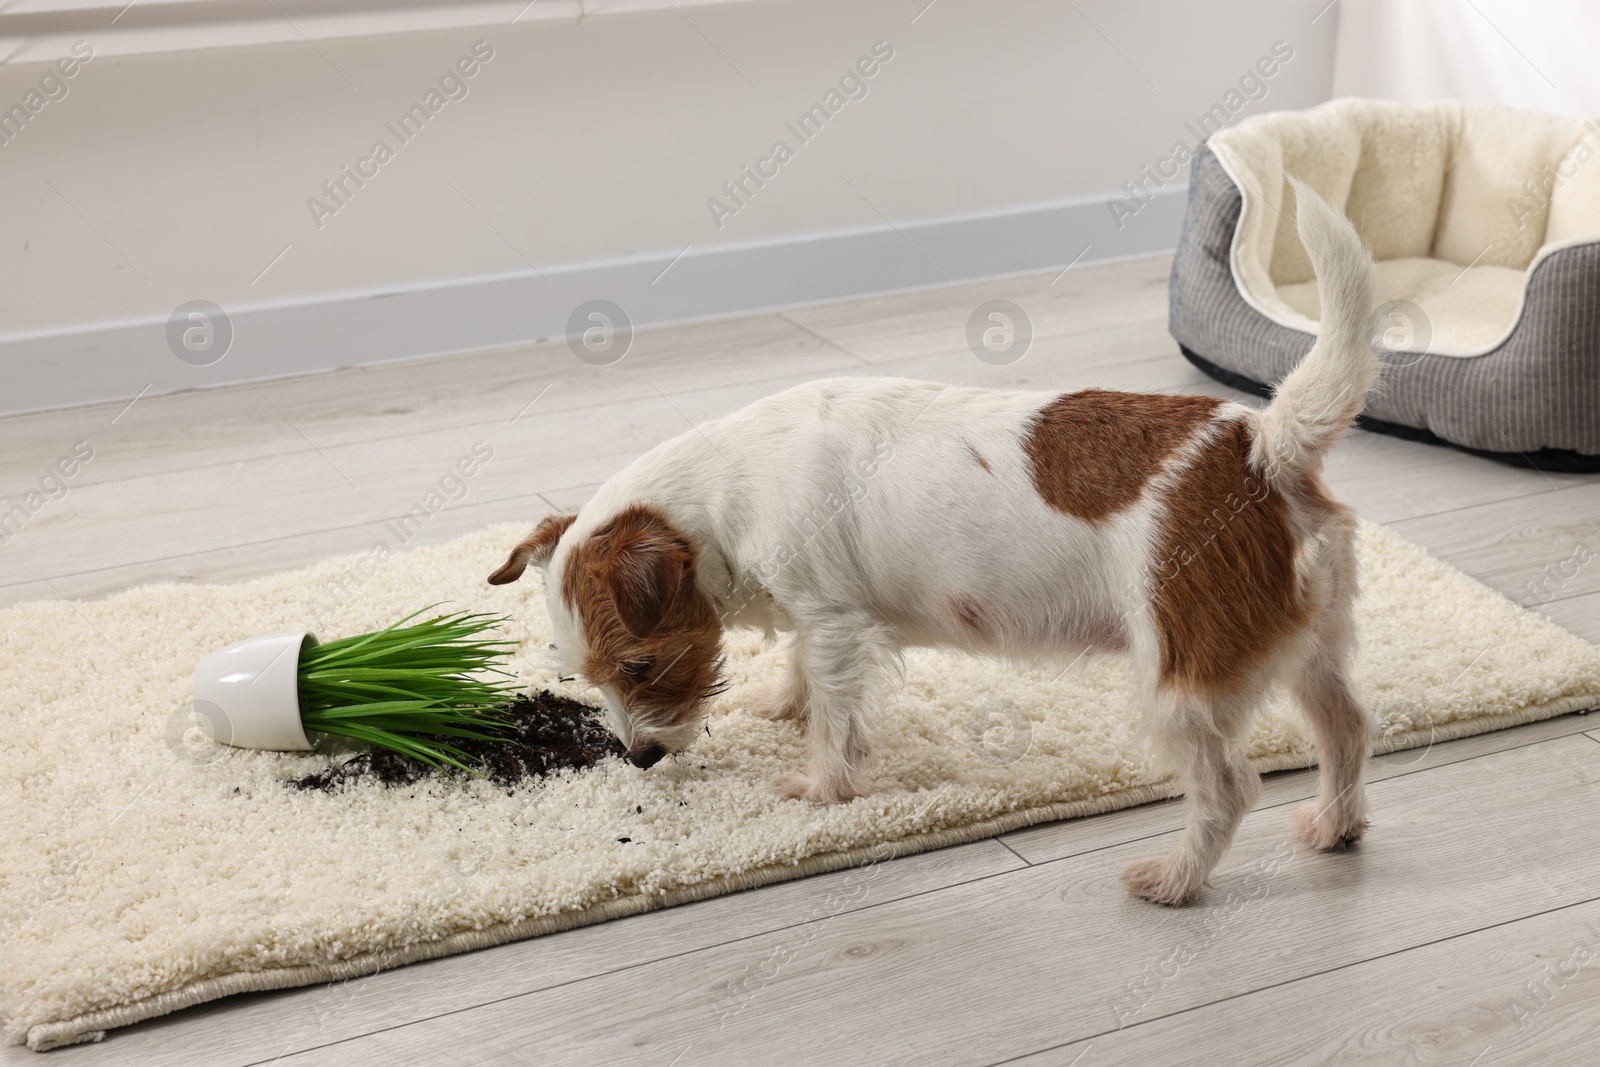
864,516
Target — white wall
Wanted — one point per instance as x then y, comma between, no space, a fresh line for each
160,179
1539,56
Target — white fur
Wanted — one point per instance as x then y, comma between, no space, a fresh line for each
1313,406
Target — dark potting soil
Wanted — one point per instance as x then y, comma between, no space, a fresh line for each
544,733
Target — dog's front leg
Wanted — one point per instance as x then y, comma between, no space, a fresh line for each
848,662
782,700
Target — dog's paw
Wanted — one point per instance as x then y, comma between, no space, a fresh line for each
1320,829
767,700
1151,880
817,791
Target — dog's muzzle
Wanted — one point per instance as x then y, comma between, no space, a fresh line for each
647,758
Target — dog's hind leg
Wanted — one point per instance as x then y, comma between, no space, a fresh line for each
847,664
1203,737
1338,816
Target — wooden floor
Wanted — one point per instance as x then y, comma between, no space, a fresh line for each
1465,931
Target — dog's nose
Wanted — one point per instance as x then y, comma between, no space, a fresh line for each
648,758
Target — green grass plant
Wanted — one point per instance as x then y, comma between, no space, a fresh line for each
408,687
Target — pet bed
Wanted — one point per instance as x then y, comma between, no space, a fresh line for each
1485,225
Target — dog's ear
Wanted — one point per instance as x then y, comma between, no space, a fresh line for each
646,568
536,549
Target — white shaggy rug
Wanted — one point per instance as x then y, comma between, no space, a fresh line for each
138,875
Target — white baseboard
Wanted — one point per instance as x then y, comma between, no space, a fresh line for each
111,361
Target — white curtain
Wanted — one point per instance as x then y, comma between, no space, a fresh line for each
1543,55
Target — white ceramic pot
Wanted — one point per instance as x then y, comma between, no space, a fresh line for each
254,687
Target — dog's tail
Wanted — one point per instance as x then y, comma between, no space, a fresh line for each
1314,406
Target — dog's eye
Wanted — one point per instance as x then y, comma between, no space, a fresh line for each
637,668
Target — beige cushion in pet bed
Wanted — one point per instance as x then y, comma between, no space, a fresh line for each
1485,224
1433,189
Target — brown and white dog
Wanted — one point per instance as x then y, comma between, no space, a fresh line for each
864,516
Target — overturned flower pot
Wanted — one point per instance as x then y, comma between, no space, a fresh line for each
411,689
255,684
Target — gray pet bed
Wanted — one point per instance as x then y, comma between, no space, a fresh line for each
1490,330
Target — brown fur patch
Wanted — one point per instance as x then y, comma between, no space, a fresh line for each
1224,586
980,460
536,548
1092,452
652,634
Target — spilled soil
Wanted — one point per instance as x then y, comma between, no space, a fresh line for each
544,733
